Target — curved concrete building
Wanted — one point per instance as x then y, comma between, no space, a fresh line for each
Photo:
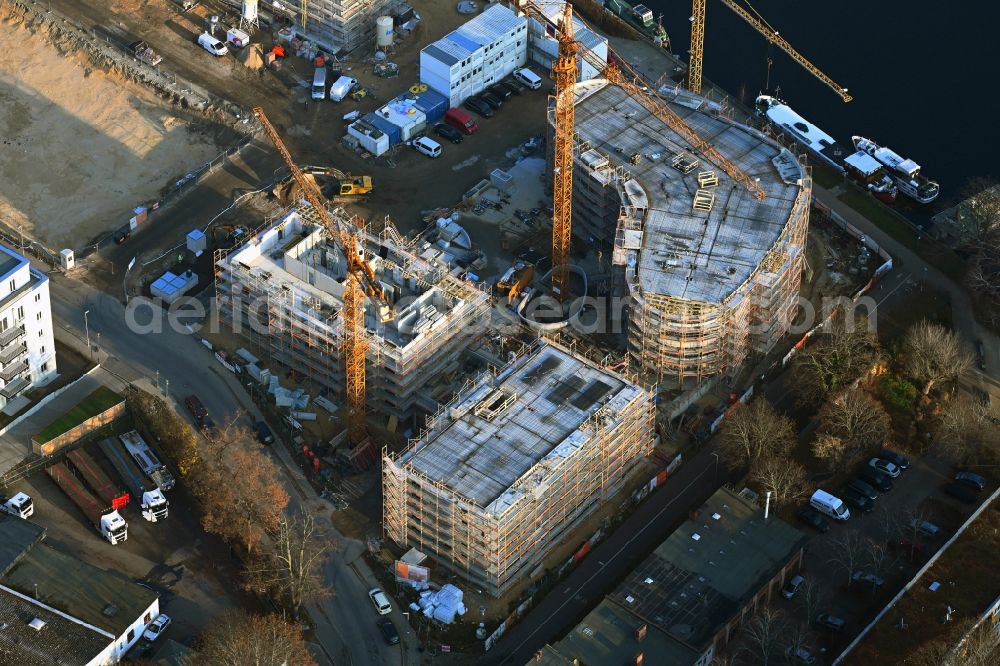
710,273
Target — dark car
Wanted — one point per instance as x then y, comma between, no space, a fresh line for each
195,407
971,479
857,501
514,82
264,434
877,479
814,519
388,630
479,106
500,91
862,488
122,235
896,459
981,353
491,99
513,86
831,622
448,132
961,492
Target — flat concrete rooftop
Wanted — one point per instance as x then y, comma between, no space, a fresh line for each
686,253
493,435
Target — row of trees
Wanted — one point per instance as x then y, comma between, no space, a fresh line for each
979,237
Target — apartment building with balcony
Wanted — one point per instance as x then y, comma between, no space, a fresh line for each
27,346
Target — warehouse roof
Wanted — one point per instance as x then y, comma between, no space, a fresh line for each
34,634
502,439
702,251
17,537
495,22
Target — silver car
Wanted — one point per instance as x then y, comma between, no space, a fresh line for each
884,466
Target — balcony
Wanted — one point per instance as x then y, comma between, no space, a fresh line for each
11,335
12,389
8,374
13,353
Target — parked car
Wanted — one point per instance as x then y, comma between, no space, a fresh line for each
264,434
908,547
831,622
877,479
479,106
981,354
388,630
792,586
857,501
861,488
884,466
194,406
961,492
513,86
814,520
491,99
380,601
500,91
971,479
800,655
448,132
156,627
122,235
897,459
925,527
867,578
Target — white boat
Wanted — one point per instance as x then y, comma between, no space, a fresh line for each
870,173
905,172
812,138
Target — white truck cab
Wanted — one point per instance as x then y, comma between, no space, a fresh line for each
212,45
19,505
829,505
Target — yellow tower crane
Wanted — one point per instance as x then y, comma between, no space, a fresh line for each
564,73
360,278
698,46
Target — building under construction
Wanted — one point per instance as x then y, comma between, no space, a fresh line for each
506,471
338,25
283,290
711,273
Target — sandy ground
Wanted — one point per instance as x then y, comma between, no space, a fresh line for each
81,149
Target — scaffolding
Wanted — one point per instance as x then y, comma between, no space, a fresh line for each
506,471
338,25
283,292
711,271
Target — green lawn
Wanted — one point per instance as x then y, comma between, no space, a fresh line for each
95,403
930,250
826,177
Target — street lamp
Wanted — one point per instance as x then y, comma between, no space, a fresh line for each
716,456
86,326
250,387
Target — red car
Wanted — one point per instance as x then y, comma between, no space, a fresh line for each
908,547
195,407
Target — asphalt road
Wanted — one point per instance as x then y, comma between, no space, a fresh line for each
176,362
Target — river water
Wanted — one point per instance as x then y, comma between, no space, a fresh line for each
924,74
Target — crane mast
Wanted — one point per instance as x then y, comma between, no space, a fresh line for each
359,277
564,73
698,50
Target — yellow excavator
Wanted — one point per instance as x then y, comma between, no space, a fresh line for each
337,186
515,280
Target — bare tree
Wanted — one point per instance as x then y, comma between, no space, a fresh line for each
754,430
979,213
291,567
847,552
889,522
811,599
877,556
933,354
784,478
831,364
762,636
830,449
965,432
242,639
980,647
858,420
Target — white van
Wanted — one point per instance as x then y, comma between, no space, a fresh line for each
428,147
829,505
319,83
528,78
342,87
212,45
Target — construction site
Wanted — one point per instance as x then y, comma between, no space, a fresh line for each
504,472
284,291
711,271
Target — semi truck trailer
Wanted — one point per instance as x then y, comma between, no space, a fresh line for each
144,491
107,521
147,461
106,490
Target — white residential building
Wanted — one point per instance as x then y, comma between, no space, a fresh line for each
27,347
543,47
478,54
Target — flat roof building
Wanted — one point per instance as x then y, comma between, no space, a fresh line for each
711,273
283,290
694,590
504,472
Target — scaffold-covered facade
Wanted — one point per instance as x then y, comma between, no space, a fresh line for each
283,291
506,471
